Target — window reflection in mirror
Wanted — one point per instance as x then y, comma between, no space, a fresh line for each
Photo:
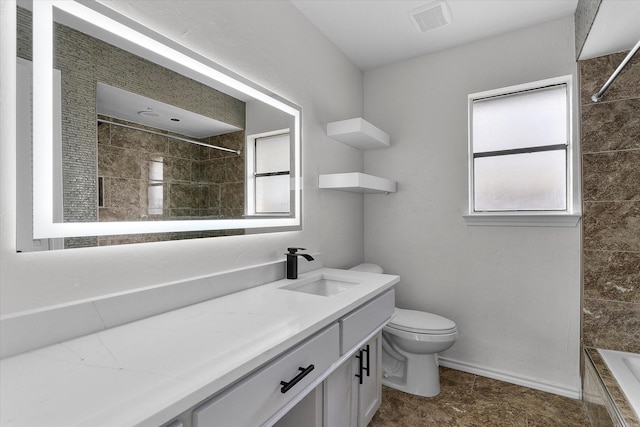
271,174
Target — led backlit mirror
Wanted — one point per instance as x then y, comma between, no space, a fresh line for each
139,139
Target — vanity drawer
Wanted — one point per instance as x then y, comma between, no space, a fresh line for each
256,398
361,322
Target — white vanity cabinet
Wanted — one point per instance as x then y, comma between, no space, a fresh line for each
343,388
353,392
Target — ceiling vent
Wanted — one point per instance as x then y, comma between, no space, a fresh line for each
431,16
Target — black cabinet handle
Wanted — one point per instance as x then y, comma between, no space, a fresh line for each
286,386
366,350
361,367
359,374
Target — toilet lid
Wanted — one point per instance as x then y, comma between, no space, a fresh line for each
421,322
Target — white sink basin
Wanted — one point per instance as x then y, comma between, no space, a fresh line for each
322,286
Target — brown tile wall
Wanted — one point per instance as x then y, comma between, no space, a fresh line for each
611,204
197,181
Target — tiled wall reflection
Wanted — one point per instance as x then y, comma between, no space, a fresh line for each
611,207
148,176
144,176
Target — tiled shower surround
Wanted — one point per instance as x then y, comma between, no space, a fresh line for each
144,176
196,181
611,214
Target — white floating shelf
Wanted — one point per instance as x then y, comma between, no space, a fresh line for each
358,133
357,182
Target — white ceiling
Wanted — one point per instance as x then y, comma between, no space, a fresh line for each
377,32
121,104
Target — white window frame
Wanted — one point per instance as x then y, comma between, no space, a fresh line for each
250,156
564,218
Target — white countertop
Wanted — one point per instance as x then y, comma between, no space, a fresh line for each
148,371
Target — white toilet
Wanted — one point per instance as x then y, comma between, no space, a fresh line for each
410,343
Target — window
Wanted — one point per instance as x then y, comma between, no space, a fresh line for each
269,183
155,188
520,152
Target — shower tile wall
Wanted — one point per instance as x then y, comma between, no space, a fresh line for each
611,207
196,181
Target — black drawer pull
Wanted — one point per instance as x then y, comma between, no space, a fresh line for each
286,386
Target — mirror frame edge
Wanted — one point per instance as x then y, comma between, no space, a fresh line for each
44,226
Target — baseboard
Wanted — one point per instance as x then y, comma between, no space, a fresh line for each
510,378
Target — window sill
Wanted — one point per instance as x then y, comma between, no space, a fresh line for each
522,219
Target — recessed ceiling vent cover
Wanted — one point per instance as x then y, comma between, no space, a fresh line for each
431,16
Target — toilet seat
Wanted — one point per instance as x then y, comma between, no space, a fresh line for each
419,322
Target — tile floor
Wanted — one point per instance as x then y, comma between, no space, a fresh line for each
470,400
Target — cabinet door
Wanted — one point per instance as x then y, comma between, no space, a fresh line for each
370,391
353,393
307,413
341,396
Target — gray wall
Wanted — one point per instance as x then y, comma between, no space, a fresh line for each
514,292
282,52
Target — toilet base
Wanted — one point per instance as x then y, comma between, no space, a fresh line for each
421,376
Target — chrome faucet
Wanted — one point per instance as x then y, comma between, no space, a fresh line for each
292,261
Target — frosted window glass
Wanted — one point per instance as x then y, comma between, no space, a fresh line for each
156,169
155,199
526,119
272,154
272,194
532,181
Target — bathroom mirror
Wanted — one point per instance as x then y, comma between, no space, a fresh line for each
140,139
